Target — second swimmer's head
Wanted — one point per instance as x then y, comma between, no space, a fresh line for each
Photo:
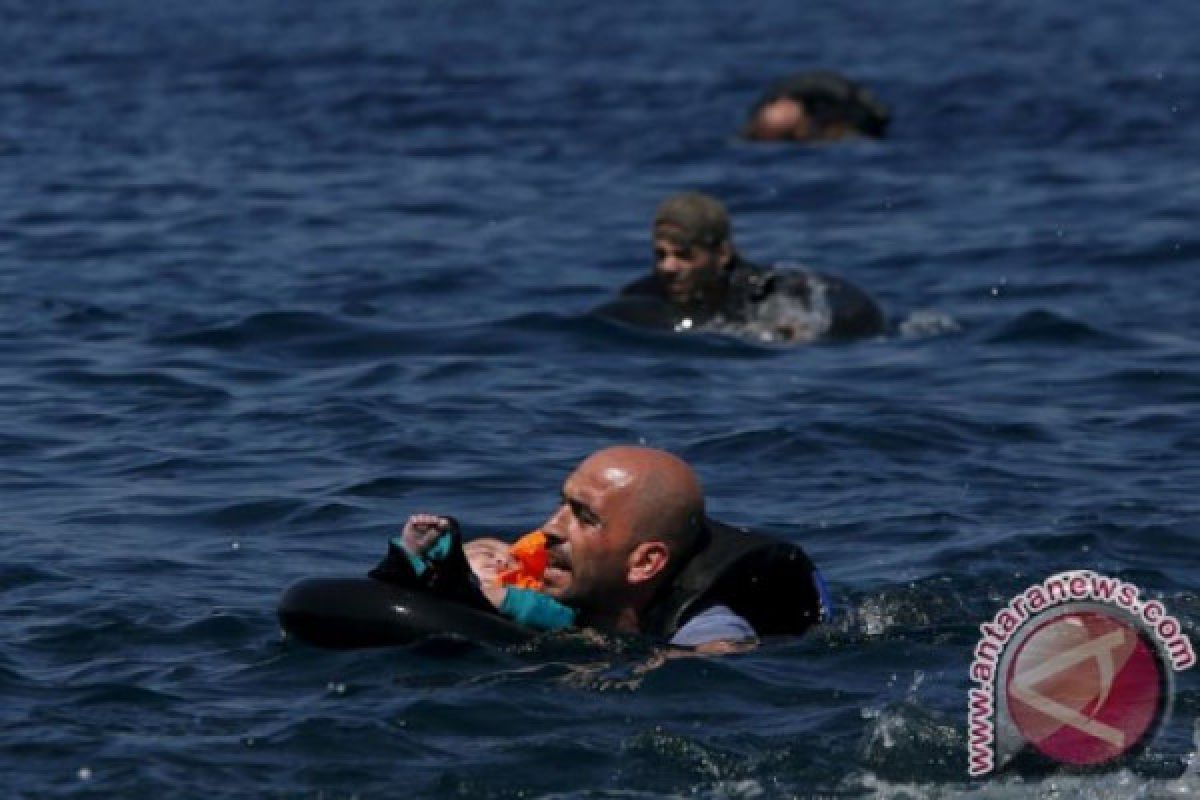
693,246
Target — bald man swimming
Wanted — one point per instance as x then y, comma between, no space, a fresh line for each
627,519
631,550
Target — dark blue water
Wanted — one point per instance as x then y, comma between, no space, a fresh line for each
274,275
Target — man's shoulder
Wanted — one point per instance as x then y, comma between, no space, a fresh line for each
641,304
751,285
645,286
786,276
851,310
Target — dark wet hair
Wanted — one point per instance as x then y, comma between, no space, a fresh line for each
830,98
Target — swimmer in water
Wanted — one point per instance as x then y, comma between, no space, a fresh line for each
701,282
628,549
816,107
429,552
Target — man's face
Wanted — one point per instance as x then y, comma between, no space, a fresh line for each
688,274
590,536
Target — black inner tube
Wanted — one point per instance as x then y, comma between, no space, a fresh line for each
346,613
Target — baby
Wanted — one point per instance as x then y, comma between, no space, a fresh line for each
486,574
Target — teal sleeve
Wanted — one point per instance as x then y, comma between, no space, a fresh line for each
440,549
536,610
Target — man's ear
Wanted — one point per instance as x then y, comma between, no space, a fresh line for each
647,560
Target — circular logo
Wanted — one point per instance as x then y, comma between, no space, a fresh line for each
1085,688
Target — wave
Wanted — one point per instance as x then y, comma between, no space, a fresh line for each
1048,327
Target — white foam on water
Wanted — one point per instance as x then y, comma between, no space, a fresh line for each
926,323
1122,784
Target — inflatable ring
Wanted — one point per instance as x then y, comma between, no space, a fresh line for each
345,613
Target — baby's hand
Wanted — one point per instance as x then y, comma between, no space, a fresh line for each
421,531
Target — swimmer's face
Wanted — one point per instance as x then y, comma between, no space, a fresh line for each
488,558
689,274
590,535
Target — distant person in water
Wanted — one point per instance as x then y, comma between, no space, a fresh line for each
701,282
817,107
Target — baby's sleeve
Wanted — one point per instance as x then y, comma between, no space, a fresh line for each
536,610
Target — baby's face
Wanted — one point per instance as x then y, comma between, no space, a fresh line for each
488,558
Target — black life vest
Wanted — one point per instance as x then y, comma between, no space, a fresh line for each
769,582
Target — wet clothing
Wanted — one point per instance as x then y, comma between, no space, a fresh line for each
769,583
764,303
533,609
715,624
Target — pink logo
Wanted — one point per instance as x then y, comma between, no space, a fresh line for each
1085,688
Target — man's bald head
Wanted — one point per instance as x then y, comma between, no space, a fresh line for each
628,519
666,497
